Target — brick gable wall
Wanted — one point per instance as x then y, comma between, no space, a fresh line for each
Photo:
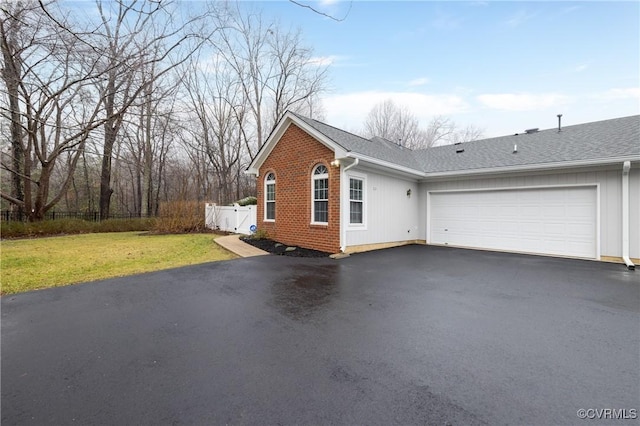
292,161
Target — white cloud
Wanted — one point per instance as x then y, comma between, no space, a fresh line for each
522,101
349,110
324,60
620,93
418,81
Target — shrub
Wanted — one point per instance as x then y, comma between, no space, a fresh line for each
70,226
260,234
179,217
248,201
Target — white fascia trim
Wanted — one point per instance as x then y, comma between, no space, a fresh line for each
386,164
534,167
277,133
516,188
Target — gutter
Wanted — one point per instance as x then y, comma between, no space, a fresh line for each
626,166
531,167
407,170
343,223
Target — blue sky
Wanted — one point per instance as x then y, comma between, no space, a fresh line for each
502,66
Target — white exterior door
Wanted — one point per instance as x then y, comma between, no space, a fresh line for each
557,221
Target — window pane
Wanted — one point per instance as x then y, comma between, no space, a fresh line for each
320,194
320,170
355,189
271,192
271,210
321,189
321,211
355,214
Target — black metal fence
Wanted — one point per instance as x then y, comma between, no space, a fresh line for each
7,215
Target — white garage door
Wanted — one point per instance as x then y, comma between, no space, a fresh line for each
560,221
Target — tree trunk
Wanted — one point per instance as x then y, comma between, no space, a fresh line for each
10,74
110,134
147,155
105,174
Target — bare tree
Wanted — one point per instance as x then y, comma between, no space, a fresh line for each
397,124
394,123
319,12
88,113
275,70
44,69
10,30
217,102
444,131
64,83
136,36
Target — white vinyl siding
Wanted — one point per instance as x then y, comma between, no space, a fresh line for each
389,214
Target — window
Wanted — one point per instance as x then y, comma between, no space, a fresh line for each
320,206
356,201
270,197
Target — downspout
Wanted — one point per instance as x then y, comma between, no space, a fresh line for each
343,219
625,215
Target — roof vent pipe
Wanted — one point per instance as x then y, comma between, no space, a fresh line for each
559,123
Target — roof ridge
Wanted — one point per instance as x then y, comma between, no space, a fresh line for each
328,125
523,133
391,144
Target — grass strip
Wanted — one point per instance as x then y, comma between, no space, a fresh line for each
57,261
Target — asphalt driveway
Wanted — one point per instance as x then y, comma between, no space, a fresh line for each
412,335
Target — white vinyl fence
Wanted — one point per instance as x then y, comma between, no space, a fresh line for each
234,218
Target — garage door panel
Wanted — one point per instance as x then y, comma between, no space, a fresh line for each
552,211
558,221
531,211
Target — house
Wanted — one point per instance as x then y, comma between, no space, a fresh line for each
572,191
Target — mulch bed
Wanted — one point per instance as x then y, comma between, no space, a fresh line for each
275,247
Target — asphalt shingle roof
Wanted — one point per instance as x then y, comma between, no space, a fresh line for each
376,147
615,138
619,137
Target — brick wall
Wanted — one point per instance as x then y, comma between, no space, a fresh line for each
292,161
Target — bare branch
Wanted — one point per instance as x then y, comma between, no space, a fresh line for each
322,13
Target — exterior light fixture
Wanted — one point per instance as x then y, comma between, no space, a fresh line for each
409,193
335,163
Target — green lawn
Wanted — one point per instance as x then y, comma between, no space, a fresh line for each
57,261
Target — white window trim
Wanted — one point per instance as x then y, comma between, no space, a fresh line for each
268,182
355,226
315,177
